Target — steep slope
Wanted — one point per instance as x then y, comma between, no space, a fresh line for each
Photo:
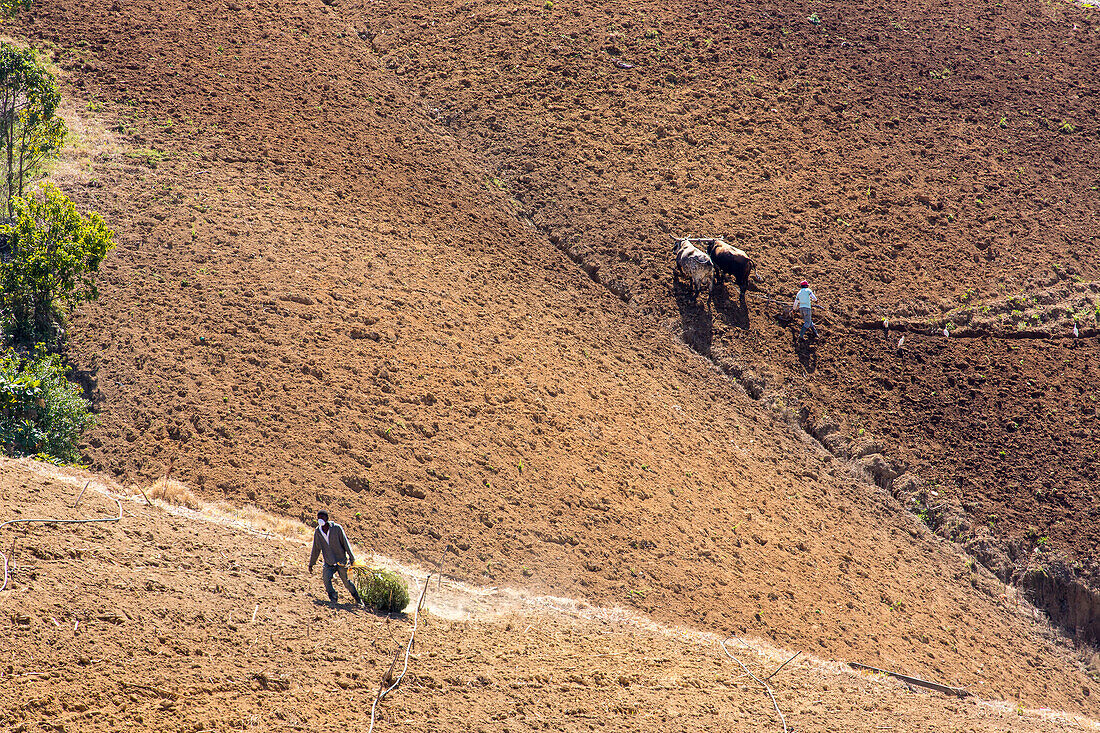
322,298
167,622
924,166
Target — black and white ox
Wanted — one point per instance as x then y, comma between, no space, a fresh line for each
695,266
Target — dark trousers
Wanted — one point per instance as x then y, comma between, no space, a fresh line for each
328,572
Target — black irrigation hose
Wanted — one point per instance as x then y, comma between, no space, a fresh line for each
54,521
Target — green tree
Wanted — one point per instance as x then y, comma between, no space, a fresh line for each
53,255
41,413
9,8
31,132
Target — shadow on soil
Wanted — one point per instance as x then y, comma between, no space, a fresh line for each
696,319
88,379
807,352
734,312
1067,602
354,607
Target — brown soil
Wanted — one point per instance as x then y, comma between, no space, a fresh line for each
337,285
866,153
168,622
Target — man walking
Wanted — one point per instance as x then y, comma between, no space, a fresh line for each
804,302
332,544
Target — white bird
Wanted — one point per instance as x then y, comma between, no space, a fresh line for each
1076,333
886,324
901,341
946,332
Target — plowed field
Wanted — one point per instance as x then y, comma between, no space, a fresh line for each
412,263
166,621
925,166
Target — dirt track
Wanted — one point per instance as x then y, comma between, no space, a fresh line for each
327,293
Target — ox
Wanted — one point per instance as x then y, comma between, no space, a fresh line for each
729,260
695,265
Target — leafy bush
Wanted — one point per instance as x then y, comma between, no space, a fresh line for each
383,590
41,413
9,8
31,132
52,255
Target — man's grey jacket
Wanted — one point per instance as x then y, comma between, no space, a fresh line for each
336,551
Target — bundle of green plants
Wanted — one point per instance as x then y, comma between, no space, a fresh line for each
383,590
42,413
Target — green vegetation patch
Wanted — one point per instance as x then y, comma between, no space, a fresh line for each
51,255
383,590
42,414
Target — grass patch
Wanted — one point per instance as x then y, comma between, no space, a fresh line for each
174,492
150,156
249,517
382,590
88,143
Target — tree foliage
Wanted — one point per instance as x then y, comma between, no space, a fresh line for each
41,413
48,256
31,132
9,8
52,256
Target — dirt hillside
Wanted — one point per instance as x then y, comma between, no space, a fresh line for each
167,621
335,288
927,166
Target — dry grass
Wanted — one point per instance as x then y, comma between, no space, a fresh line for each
256,519
88,141
175,493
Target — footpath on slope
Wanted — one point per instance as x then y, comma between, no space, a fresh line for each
179,619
